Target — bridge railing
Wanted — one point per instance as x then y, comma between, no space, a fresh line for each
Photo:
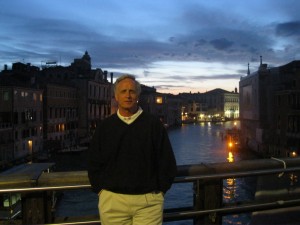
207,206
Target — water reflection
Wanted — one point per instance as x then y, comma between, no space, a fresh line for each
230,186
198,143
234,190
230,157
206,143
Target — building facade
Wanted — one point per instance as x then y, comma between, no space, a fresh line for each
269,112
166,106
54,108
92,103
214,105
21,120
60,111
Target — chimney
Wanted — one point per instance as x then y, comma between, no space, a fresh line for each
263,66
248,72
105,75
111,77
260,60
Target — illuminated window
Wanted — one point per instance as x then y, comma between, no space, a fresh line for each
159,100
61,127
6,96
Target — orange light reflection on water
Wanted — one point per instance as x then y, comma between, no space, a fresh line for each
230,188
230,157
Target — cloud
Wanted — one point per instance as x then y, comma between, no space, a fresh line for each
203,40
203,78
129,37
221,44
288,29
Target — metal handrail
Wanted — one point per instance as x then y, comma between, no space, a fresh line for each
237,209
55,181
181,179
34,189
236,174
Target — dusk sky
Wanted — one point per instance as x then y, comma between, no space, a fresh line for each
172,45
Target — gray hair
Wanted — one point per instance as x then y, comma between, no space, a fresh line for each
127,76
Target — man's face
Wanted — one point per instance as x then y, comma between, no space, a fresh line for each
126,95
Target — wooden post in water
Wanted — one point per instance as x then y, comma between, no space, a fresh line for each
208,194
37,207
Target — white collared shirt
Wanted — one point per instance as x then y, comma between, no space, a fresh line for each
132,118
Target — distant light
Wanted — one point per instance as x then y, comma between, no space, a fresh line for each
159,100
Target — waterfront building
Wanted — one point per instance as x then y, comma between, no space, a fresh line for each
270,111
60,117
75,98
192,111
231,105
6,127
21,128
93,97
166,106
214,105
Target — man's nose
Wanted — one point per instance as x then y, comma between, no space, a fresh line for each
128,95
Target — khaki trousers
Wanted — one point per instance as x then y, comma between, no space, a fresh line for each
123,209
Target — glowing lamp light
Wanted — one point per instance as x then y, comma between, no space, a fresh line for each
30,146
294,154
159,100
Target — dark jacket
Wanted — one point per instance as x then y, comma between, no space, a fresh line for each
131,159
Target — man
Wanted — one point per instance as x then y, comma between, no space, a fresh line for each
131,161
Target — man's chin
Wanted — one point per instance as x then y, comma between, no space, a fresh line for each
130,108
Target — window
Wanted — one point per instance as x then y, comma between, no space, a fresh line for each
16,118
22,117
6,96
159,100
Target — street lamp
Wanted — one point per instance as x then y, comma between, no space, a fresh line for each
30,148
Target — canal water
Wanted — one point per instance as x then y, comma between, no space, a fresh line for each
192,144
